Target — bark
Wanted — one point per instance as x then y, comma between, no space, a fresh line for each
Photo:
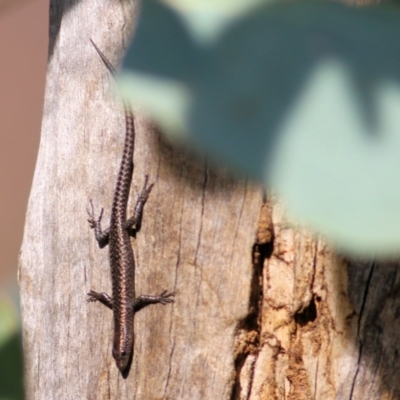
263,310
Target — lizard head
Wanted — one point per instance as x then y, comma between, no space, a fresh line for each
122,359
122,353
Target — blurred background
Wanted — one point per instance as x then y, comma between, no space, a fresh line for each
23,58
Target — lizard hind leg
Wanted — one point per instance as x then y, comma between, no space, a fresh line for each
145,300
102,237
103,298
133,223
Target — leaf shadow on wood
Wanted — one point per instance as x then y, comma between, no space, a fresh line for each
374,290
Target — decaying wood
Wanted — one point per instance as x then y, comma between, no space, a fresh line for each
328,326
263,310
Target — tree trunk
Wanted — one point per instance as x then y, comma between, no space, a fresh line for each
262,310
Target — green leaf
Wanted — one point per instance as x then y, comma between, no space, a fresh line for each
338,172
11,368
206,19
9,321
302,96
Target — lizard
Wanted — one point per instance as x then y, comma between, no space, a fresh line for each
123,302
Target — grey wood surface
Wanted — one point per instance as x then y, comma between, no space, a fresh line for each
196,238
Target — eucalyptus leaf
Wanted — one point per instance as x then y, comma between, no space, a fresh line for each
206,19
303,96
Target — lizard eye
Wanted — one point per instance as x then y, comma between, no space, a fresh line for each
122,354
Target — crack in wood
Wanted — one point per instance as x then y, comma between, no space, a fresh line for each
248,331
364,300
360,343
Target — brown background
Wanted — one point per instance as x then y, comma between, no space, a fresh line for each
23,58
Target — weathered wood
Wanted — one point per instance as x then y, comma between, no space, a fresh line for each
263,310
196,239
